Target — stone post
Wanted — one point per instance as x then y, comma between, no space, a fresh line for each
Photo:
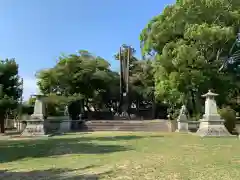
182,121
211,124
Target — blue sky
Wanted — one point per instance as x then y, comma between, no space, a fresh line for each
36,32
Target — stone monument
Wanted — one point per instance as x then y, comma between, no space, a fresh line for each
36,125
211,124
182,121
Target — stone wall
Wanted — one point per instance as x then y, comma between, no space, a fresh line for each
57,124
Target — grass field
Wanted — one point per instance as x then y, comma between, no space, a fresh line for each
121,156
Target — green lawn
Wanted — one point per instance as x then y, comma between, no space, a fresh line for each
121,156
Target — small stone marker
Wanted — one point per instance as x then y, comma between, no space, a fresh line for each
35,125
182,121
211,124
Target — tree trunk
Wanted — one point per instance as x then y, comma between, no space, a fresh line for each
2,124
193,103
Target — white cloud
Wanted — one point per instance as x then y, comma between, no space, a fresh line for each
29,87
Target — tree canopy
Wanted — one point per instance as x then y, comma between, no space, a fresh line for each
82,76
189,41
89,77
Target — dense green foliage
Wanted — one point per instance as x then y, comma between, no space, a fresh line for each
88,77
10,90
80,76
229,115
189,41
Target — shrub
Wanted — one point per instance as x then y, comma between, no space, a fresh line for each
27,109
196,117
229,115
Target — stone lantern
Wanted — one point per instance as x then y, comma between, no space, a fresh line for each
211,124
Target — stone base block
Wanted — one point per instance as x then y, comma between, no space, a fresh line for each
65,126
213,130
34,128
182,126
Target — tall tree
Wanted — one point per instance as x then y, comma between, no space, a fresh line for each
80,75
185,41
10,88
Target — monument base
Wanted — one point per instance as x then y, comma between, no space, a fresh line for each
213,130
34,127
182,127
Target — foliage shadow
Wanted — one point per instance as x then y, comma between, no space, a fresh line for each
36,148
49,174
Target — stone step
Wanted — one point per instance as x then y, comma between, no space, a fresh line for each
143,125
161,126
126,124
126,127
118,127
127,121
129,130
111,124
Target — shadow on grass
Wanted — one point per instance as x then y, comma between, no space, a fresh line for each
50,174
36,148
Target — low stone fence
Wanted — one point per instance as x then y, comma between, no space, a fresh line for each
192,125
56,124
61,124
9,123
51,124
